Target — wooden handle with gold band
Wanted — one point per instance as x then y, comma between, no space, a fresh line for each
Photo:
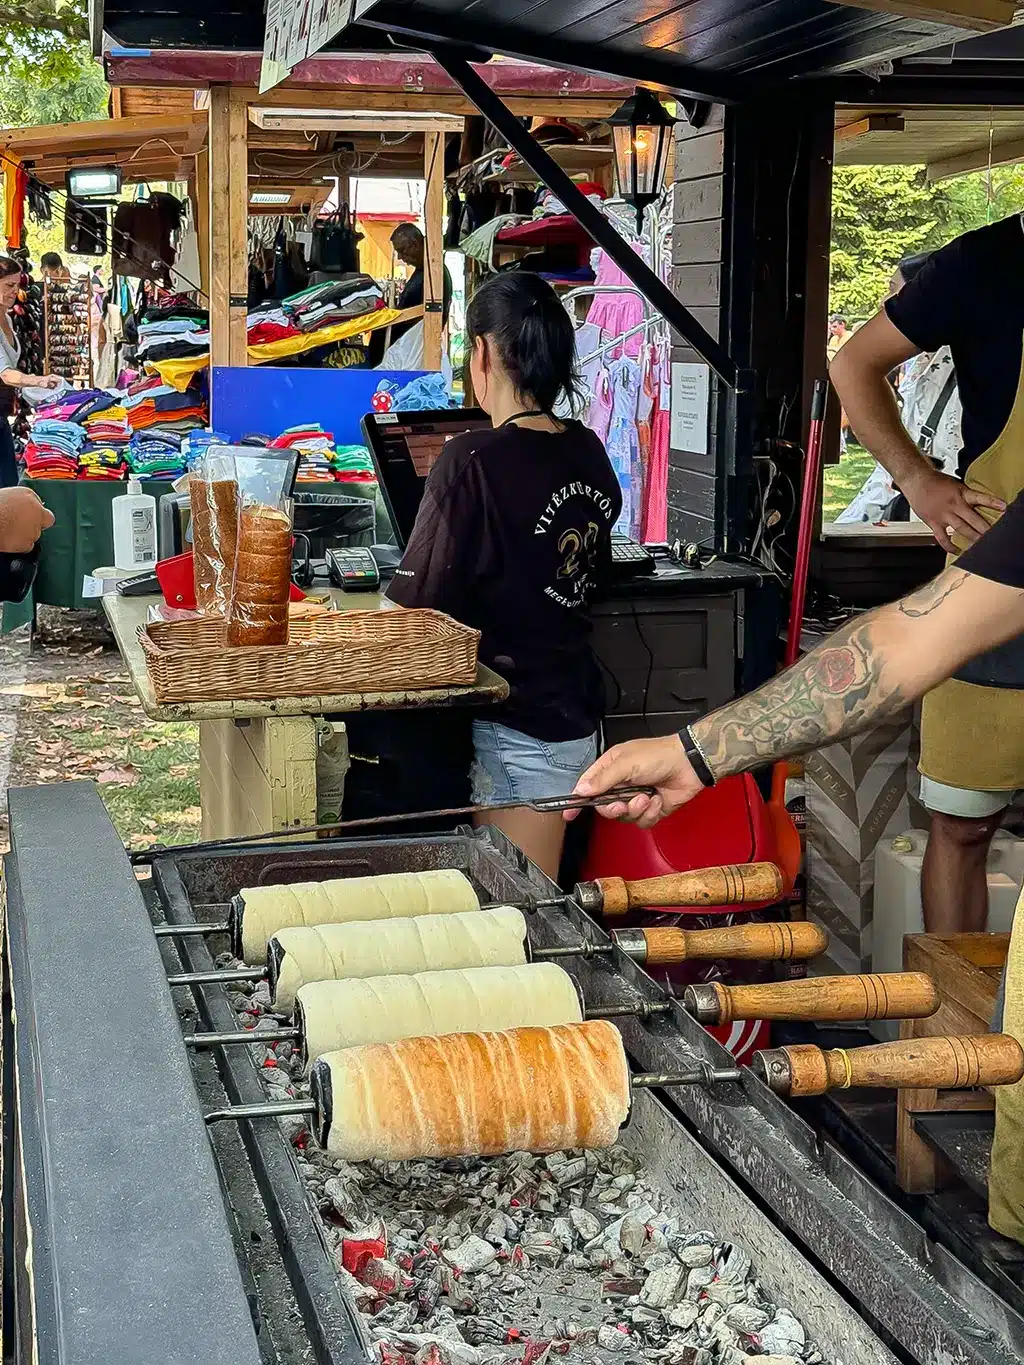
728,884
898,995
744,942
913,1063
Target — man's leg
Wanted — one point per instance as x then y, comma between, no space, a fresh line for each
954,886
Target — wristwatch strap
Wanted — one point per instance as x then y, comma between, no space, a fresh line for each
695,754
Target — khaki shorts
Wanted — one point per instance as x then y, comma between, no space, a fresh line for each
969,805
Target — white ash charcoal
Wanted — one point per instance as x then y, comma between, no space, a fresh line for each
746,1319
496,1231
612,1339
278,1093
600,1258
632,1235
662,1287
698,1280
775,1360
564,1233
569,1173
725,1292
541,1246
657,1260
643,1316
361,1295
577,1261
384,1276
622,1268
585,1224
783,1337
694,1256
735,1265
624,1182
725,1336
471,1255
682,1351
710,1316
682,1316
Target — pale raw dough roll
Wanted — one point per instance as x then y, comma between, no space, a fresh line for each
390,896
474,1094
382,1009
395,947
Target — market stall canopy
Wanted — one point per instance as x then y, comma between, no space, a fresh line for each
708,50
946,140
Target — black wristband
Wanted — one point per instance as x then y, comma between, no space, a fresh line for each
698,762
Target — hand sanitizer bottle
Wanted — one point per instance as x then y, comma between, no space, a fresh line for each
134,529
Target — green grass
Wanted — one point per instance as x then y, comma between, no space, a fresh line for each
843,481
162,802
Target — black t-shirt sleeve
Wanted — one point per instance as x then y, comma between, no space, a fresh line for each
999,554
931,309
445,552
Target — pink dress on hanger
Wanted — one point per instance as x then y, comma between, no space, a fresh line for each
599,413
616,313
654,511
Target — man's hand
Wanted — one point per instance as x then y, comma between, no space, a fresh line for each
659,763
948,507
23,519
48,381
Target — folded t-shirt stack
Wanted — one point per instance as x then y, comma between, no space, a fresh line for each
319,306
156,455
52,449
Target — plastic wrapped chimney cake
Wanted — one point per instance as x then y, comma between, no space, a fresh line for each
258,614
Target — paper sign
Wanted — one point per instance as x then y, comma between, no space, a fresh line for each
98,587
297,29
689,428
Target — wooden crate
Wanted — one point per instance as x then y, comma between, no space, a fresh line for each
966,969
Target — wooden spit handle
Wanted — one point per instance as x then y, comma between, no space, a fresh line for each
744,942
913,1063
897,995
730,884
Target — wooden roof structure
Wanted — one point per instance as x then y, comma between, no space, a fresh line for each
947,140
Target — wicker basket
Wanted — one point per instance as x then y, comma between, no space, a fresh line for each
347,651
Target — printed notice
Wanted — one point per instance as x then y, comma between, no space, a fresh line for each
690,388
297,29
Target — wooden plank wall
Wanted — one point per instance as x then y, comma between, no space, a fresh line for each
694,486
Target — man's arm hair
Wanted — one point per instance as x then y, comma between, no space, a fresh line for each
868,670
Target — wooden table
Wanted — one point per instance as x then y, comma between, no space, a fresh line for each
966,969
258,759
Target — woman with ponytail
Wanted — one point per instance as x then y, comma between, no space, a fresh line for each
513,532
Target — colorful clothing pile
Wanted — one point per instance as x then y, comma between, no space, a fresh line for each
156,455
52,449
315,448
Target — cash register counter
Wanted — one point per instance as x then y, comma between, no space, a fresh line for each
259,760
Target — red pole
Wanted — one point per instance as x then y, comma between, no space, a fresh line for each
804,538
805,531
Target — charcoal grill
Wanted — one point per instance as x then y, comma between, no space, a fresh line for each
126,1240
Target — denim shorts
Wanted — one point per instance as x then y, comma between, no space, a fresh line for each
511,766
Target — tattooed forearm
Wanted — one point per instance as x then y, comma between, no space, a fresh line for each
836,690
932,595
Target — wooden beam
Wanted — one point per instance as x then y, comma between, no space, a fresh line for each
999,154
979,15
115,101
238,240
202,200
98,132
325,120
219,288
874,123
433,263
397,101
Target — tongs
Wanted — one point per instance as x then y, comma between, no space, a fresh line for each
545,805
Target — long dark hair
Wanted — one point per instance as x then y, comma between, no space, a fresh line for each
531,332
8,267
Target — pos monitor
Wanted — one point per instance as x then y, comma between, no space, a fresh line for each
404,446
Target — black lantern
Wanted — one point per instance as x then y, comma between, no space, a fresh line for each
641,138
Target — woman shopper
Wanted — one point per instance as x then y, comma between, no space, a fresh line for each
513,532
11,378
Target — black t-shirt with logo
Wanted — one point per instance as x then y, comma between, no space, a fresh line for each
970,297
513,532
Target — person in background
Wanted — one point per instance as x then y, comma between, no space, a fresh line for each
11,378
513,532
52,267
410,250
968,296
838,335
930,411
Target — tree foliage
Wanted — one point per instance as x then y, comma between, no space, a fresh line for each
49,33
32,91
882,213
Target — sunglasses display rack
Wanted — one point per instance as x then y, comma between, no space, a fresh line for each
68,308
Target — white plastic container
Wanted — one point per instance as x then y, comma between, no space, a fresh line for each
897,904
134,529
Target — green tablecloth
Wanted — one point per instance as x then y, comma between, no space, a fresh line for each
80,540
